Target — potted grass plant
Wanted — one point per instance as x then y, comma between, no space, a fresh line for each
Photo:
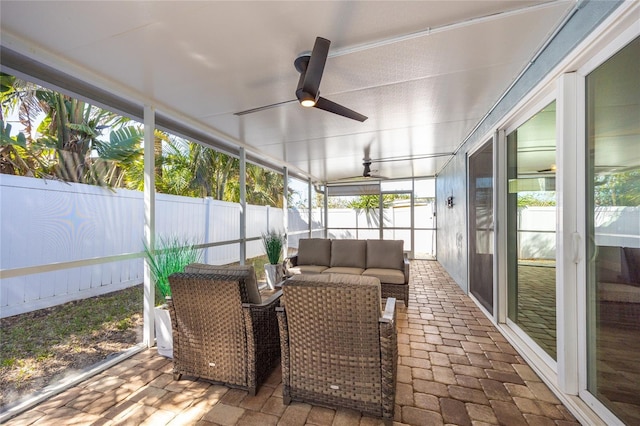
171,255
273,242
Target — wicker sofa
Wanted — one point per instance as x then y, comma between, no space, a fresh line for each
224,330
339,349
382,259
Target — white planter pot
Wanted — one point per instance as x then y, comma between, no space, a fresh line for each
274,274
164,332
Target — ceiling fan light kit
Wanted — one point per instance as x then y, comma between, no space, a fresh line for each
308,102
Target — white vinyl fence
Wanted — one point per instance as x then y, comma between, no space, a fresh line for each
44,223
46,226
614,227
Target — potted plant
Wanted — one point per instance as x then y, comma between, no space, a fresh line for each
273,242
171,255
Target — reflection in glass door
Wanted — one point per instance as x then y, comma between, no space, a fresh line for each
531,228
613,233
481,225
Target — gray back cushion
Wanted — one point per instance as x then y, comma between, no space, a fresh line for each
352,253
241,271
314,251
387,254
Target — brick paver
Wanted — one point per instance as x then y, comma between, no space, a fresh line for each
454,367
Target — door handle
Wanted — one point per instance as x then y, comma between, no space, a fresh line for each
576,244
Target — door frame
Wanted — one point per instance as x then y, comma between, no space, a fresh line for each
477,148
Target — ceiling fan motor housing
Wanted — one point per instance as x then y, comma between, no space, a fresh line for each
367,169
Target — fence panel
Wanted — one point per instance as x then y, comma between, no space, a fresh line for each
44,222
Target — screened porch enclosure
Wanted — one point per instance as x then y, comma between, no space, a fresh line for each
500,145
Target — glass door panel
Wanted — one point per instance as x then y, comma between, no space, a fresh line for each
613,230
531,228
424,224
481,225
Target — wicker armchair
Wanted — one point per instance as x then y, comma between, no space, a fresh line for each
338,348
218,335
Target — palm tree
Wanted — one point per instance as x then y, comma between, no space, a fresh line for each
264,187
16,157
370,204
68,144
213,171
72,129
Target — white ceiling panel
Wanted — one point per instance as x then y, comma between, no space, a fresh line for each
424,72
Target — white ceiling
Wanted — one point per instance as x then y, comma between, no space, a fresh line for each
424,72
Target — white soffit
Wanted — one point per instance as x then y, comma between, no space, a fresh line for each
207,60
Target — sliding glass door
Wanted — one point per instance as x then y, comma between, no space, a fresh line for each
531,228
613,233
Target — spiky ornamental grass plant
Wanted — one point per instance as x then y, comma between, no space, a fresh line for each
171,255
273,242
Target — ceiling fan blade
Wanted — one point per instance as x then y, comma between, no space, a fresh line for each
327,105
264,107
315,68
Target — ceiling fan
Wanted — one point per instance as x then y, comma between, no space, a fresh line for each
366,173
311,68
550,169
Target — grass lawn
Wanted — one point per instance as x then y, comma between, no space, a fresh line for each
41,347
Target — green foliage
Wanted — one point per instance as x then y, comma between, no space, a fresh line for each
6,82
44,355
124,324
8,362
368,202
124,144
537,199
170,255
68,133
7,139
273,241
264,187
618,189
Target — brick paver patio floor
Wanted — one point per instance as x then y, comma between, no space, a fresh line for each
454,368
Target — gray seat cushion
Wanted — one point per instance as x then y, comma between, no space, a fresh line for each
385,254
314,251
387,276
344,270
306,269
349,253
241,271
338,279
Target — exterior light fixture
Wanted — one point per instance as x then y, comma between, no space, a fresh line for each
450,201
